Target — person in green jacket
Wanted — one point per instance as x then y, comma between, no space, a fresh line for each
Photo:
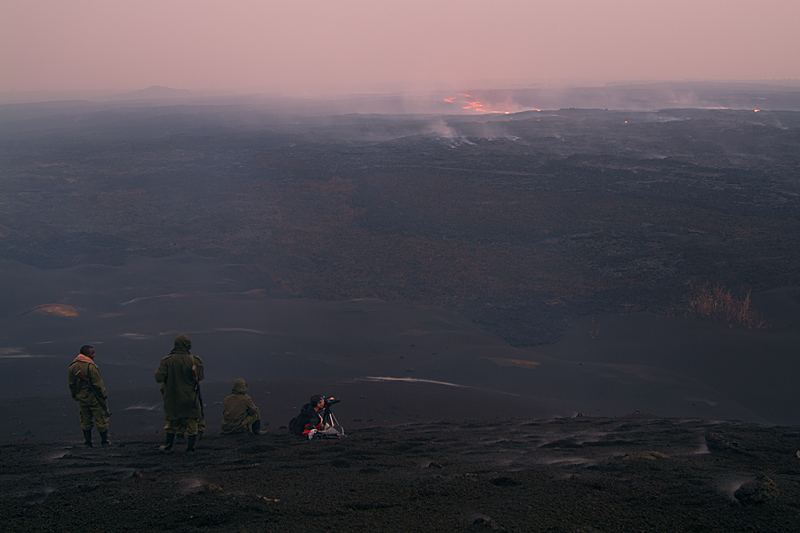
87,388
181,373
239,412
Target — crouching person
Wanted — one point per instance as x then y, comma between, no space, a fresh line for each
240,413
316,419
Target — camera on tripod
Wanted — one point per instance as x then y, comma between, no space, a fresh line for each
330,400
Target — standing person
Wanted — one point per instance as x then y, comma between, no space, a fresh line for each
181,373
240,413
201,427
88,390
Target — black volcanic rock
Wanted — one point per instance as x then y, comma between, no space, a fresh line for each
758,491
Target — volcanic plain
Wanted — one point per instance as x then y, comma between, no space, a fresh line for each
508,304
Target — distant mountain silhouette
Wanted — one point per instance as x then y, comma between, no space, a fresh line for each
156,92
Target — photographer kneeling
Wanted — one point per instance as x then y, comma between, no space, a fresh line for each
316,419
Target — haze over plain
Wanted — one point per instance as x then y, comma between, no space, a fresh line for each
457,263
322,48
316,46
376,246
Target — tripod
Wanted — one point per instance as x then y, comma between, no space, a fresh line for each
330,426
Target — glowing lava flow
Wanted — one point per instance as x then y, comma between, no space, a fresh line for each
471,105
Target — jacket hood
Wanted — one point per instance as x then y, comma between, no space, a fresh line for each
83,359
182,344
239,386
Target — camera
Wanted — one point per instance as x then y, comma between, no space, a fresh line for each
330,400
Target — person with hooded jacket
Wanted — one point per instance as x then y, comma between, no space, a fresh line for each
83,377
311,417
181,373
239,412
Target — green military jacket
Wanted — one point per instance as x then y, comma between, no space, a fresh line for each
80,389
180,394
237,408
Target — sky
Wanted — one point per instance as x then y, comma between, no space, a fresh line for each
317,46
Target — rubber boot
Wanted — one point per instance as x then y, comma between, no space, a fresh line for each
190,443
257,427
199,435
87,438
167,446
104,438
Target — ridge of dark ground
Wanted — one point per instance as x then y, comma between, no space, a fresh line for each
632,473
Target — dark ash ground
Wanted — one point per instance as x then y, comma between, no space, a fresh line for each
634,473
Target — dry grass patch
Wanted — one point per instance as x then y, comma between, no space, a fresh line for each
717,303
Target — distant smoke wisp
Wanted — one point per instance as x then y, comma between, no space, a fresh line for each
135,336
16,352
441,129
143,407
413,380
24,356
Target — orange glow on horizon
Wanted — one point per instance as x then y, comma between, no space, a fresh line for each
473,105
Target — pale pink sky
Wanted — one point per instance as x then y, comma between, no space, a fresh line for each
359,45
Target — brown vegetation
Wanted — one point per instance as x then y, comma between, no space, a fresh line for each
717,303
